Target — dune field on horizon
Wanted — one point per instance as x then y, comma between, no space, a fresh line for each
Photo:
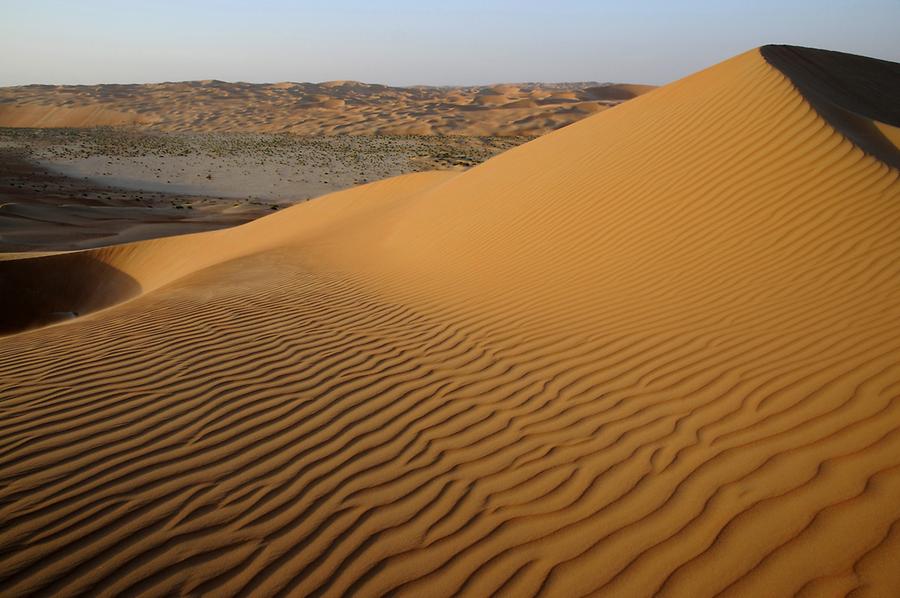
329,108
653,352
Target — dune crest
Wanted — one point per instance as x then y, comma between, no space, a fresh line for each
857,95
656,351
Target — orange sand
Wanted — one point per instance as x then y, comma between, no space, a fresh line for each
655,352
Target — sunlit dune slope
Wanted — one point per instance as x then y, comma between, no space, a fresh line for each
657,351
12,115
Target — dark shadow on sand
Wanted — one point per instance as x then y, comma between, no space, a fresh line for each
849,92
39,291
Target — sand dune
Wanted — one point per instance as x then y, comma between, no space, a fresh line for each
14,115
655,352
330,108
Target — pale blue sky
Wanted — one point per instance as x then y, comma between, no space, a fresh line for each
406,42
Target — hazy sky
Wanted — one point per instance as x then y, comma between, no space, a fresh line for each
405,42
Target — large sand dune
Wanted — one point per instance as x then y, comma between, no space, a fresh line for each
337,107
656,351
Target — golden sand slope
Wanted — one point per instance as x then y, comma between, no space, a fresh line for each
91,115
657,351
337,107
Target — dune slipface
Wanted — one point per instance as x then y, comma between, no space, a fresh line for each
657,351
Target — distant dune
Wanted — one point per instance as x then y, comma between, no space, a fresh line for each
655,352
330,108
30,115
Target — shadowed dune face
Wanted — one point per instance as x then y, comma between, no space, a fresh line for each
656,352
858,95
46,290
866,86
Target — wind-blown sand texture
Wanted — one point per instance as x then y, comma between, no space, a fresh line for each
655,352
337,107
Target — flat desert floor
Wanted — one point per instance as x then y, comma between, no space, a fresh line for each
63,189
655,352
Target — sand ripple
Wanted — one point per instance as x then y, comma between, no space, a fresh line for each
655,352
